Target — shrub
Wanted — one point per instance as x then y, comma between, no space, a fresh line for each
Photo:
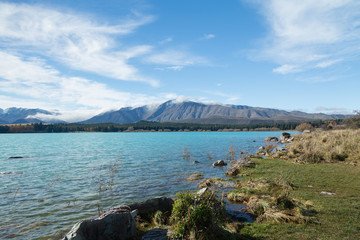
353,122
270,148
304,126
196,216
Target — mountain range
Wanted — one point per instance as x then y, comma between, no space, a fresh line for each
195,112
175,111
23,115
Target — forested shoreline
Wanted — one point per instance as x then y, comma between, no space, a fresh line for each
146,126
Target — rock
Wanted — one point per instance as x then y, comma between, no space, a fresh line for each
16,157
155,234
260,153
328,193
202,191
219,163
11,172
148,208
233,172
194,177
281,149
306,131
262,148
225,184
113,225
271,139
196,161
208,182
285,136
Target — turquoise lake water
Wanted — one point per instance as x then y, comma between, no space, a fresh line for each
64,177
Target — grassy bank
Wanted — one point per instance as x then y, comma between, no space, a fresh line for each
337,216
326,146
291,201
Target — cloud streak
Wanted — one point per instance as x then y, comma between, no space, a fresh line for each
208,36
38,82
307,35
176,60
74,40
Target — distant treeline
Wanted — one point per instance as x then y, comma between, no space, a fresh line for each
149,126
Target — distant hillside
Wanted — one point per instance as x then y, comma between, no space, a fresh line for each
23,115
194,112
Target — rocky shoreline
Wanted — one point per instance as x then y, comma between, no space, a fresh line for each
120,222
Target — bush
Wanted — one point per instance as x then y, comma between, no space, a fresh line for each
195,216
353,122
304,126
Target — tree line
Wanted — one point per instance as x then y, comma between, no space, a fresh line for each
151,126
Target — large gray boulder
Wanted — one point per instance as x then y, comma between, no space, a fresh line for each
285,136
148,208
117,224
219,163
271,139
155,234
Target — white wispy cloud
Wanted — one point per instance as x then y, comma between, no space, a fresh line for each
333,110
310,34
286,68
327,63
172,68
166,40
38,82
177,59
208,36
228,98
74,40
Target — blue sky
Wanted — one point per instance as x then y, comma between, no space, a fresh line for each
84,57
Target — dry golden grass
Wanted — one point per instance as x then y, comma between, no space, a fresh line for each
269,200
326,146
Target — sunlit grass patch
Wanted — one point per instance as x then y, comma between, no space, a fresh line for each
321,216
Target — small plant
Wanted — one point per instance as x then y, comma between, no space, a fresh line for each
270,148
196,216
159,218
186,154
209,156
231,155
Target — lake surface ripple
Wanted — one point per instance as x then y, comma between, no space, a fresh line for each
64,177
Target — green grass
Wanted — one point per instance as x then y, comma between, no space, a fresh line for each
338,216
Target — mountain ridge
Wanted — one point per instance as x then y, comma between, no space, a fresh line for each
174,111
195,112
16,115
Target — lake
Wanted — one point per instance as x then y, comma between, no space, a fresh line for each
64,177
